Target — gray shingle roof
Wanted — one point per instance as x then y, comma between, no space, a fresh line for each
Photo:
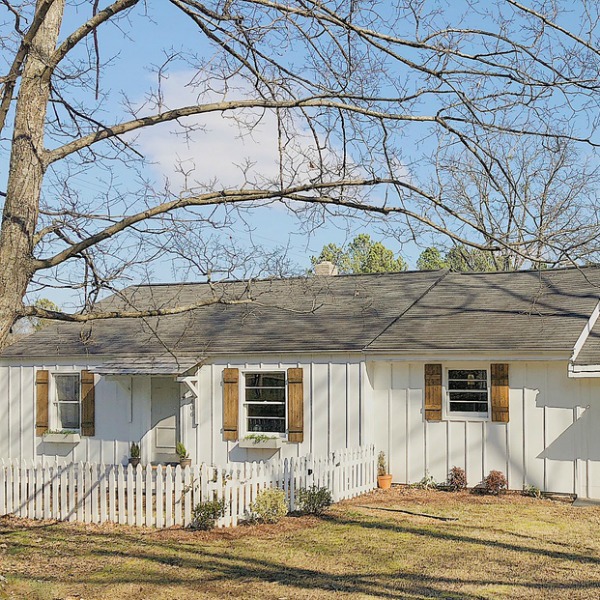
341,313
518,311
410,312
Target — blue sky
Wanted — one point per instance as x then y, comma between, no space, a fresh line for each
136,44
142,47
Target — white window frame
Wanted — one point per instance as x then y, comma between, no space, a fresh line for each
466,416
244,405
54,421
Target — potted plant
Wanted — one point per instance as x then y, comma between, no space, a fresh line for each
134,454
184,457
384,479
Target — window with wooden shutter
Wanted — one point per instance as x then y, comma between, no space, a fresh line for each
42,379
295,405
231,402
433,392
499,392
88,404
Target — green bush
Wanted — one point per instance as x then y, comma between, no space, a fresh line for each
533,491
314,500
270,506
427,483
205,514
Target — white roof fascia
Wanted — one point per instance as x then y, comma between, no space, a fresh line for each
583,336
469,356
578,371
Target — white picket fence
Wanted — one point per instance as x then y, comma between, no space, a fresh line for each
163,496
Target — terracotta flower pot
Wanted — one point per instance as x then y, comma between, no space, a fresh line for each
384,481
185,462
134,462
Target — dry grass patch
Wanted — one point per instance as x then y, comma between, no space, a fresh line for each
378,546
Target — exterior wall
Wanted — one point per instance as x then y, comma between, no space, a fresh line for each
334,413
334,409
551,440
122,416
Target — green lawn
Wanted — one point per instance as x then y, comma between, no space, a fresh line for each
375,546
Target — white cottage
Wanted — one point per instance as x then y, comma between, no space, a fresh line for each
483,371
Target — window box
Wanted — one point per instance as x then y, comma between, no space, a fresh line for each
62,438
270,444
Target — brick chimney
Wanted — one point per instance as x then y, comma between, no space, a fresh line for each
326,268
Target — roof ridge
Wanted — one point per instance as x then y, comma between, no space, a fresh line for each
276,279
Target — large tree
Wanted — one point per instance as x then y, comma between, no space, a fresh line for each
362,255
459,258
371,105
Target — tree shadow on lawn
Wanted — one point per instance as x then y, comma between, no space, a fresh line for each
465,526
207,569
396,527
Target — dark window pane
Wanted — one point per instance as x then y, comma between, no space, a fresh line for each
267,379
465,384
265,395
67,388
68,416
467,374
468,396
478,407
266,410
266,425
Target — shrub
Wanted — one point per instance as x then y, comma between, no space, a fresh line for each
314,500
427,483
457,479
495,482
531,490
205,514
270,506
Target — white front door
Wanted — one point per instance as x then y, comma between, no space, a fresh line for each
165,419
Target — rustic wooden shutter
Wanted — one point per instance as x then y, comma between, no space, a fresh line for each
231,402
500,392
433,392
295,405
88,404
42,378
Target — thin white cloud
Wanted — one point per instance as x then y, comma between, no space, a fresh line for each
219,150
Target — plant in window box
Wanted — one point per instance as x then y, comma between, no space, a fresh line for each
134,454
184,457
384,479
260,440
60,436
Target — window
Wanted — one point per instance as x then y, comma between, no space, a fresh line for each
468,391
67,405
265,402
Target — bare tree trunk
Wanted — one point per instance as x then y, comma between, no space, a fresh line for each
26,172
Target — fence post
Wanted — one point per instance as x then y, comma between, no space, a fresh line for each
169,496
178,494
149,491
112,512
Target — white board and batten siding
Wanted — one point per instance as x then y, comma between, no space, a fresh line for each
334,408
551,440
122,416
335,414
